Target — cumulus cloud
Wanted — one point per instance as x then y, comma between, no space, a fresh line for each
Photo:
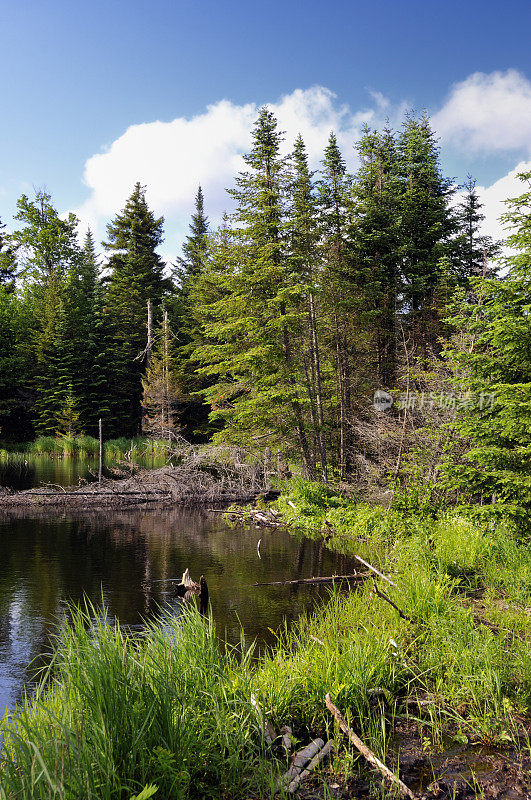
171,158
488,113
493,198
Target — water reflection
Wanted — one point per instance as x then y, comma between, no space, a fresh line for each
122,559
26,471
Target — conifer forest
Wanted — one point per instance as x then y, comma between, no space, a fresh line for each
337,379
276,329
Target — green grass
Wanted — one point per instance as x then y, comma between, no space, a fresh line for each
88,447
173,710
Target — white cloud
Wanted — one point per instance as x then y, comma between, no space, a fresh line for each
488,113
171,158
493,196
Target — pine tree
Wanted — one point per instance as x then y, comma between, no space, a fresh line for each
8,265
473,252
495,370
426,227
195,248
136,276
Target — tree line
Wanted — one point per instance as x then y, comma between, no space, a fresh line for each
275,328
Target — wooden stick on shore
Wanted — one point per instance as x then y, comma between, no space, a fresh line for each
366,752
376,571
316,760
358,576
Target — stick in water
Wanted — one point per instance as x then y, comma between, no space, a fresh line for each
364,750
369,566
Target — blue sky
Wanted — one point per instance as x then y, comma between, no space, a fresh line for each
77,76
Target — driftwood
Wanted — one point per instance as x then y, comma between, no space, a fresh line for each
203,476
366,752
316,760
376,571
299,762
268,518
287,740
358,576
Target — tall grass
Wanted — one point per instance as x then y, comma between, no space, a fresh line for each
172,710
88,447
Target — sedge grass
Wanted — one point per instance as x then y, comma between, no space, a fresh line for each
172,711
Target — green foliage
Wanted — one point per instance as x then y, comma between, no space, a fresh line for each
495,367
136,276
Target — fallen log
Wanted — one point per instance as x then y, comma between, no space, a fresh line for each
358,576
366,752
299,762
314,763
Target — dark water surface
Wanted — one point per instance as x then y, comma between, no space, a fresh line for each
26,471
119,558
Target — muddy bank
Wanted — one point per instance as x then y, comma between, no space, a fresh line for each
456,771
195,482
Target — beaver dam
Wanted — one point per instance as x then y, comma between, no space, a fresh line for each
197,479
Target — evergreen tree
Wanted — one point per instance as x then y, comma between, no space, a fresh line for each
46,249
495,369
426,227
8,266
335,221
136,276
192,409
195,248
304,265
376,243
259,379
15,375
78,367
473,252
161,387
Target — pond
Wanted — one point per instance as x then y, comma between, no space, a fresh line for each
121,560
27,471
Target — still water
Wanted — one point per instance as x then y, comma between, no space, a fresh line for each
26,471
119,559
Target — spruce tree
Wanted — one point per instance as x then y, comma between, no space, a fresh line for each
161,386
426,227
335,220
473,253
78,368
136,276
494,370
8,265
195,248
304,261
252,330
47,250
376,242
